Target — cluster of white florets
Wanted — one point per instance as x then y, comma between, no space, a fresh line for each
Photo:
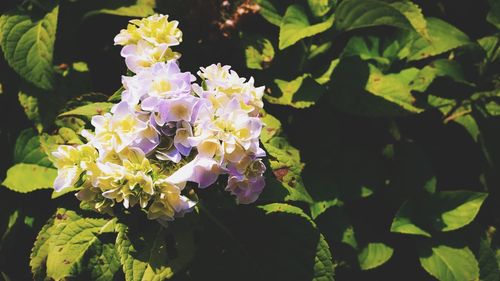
167,131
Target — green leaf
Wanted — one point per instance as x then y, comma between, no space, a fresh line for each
42,246
68,248
28,45
326,76
104,261
117,95
302,92
97,108
137,10
441,75
30,159
30,106
491,45
316,50
443,37
489,269
445,211
272,127
259,51
320,8
360,88
61,246
14,218
144,253
368,49
287,168
269,12
323,266
493,16
320,207
404,221
460,115
29,177
286,208
414,15
28,149
458,208
394,88
296,26
448,263
374,255
353,14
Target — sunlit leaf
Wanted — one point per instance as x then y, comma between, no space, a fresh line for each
97,108
374,255
301,92
448,263
295,26
28,45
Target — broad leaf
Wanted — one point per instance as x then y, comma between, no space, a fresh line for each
489,269
323,266
103,263
360,88
445,211
28,149
440,76
259,51
272,127
443,37
68,247
97,108
146,253
448,263
140,10
456,114
414,15
319,208
284,162
30,159
320,8
42,247
301,92
60,249
269,12
287,168
368,49
39,177
352,14
395,88
457,208
296,26
374,255
286,208
30,106
28,45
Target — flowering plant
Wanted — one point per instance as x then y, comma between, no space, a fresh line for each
377,146
167,131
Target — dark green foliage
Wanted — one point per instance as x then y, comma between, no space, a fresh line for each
383,142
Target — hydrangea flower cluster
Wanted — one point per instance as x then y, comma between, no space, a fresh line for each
167,131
